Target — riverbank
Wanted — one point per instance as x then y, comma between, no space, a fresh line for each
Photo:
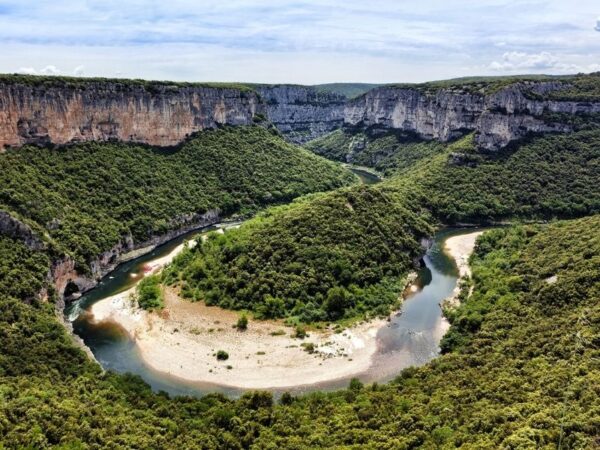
460,249
182,340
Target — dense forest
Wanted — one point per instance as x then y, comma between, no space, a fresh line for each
325,257
387,151
544,177
365,237
88,197
520,371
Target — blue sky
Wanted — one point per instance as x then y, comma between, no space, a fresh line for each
312,41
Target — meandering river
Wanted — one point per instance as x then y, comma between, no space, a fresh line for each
411,338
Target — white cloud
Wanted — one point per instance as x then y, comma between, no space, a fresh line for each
79,71
27,71
521,61
409,41
50,70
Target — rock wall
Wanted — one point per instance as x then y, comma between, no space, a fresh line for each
14,228
302,113
64,271
497,119
164,115
108,110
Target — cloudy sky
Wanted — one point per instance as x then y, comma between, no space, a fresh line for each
299,41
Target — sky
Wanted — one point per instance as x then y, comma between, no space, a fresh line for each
299,41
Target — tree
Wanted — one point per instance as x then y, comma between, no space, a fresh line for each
337,301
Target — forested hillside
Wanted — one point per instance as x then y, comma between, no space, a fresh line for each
521,371
323,257
385,150
546,177
365,237
87,197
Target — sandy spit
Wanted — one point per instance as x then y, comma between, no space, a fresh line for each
460,248
183,338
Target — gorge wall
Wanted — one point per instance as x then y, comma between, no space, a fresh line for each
497,118
164,114
302,113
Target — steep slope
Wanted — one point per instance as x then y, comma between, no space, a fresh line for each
546,177
95,201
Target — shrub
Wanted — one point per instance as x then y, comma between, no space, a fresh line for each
222,355
300,332
149,293
309,347
242,323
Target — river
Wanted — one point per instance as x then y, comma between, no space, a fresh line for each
411,338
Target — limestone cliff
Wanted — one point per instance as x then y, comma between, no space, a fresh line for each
163,114
12,227
158,114
302,113
497,118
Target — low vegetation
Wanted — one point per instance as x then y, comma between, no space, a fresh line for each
579,87
149,293
222,355
348,90
242,323
61,81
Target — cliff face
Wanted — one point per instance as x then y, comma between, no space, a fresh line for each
497,119
163,116
14,228
302,113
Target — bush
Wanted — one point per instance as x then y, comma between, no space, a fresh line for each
309,347
222,355
149,293
242,323
300,332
